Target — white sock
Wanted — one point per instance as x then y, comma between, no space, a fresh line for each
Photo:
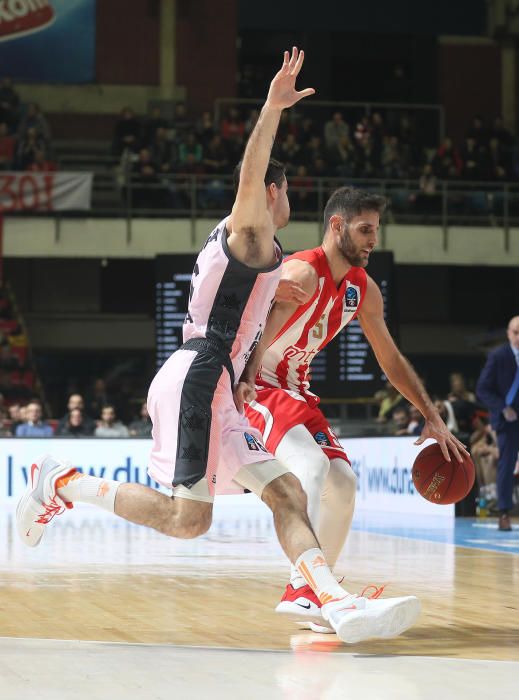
314,569
88,489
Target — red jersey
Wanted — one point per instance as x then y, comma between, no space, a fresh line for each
313,325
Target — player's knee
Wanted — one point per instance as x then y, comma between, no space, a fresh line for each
285,492
318,471
344,481
187,527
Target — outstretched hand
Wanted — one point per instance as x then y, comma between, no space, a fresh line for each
243,393
437,430
283,93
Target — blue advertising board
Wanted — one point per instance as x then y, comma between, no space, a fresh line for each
51,41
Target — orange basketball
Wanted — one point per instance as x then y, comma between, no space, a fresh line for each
439,481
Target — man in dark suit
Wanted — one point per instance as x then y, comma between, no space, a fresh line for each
498,389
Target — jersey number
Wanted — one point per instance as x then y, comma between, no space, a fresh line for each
318,328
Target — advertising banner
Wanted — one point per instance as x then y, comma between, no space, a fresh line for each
382,466
51,41
23,191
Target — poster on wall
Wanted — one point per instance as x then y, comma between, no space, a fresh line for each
50,41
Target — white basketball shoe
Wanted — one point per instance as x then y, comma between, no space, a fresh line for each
355,619
40,502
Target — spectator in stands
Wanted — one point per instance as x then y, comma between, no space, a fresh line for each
7,147
162,151
478,132
232,130
416,421
190,150
28,146
366,161
109,426
76,402
447,162
182,125
205,128
307,131
313,151
9,104
447,414
34,119
458,388
4,428
501,133
401,420
334,130
341,158
500,165
127,133
290,153
141,427
74,426
41,163
97,397
145,193
154,122
391,158
473,157
389,400
485,453
216,157
16,416
302,191
34,426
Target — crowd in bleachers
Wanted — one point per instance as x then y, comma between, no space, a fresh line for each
370,147
25,139
24,419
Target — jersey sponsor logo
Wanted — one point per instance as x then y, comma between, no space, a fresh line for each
352,297
302,356
322,439
253,443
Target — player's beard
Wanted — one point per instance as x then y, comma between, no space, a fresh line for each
349,250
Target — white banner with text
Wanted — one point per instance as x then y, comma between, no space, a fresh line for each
382,465
45,191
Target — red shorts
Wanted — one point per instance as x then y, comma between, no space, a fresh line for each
276,411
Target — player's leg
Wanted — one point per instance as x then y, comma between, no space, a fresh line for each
353,618
185,447
337,507
55,485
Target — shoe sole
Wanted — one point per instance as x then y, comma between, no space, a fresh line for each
382,624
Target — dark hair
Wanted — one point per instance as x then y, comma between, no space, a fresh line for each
350,202
275,174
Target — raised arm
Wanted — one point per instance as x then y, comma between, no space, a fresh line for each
401,374
251,223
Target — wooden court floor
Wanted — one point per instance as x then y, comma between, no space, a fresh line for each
96,578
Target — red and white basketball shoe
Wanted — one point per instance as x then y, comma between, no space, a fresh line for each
300,603
40,502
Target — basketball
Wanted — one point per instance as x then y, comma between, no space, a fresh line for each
439,481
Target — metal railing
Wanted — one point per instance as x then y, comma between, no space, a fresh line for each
453,203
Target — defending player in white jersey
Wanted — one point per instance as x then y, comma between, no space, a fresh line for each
202,445
330,288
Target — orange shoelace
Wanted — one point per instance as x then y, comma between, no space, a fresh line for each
377,592
51,509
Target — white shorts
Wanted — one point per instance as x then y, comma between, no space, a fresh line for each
198,434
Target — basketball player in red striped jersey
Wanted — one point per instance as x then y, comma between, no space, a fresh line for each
323,290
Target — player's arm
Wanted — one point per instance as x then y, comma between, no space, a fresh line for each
300,279
401,374
252,230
